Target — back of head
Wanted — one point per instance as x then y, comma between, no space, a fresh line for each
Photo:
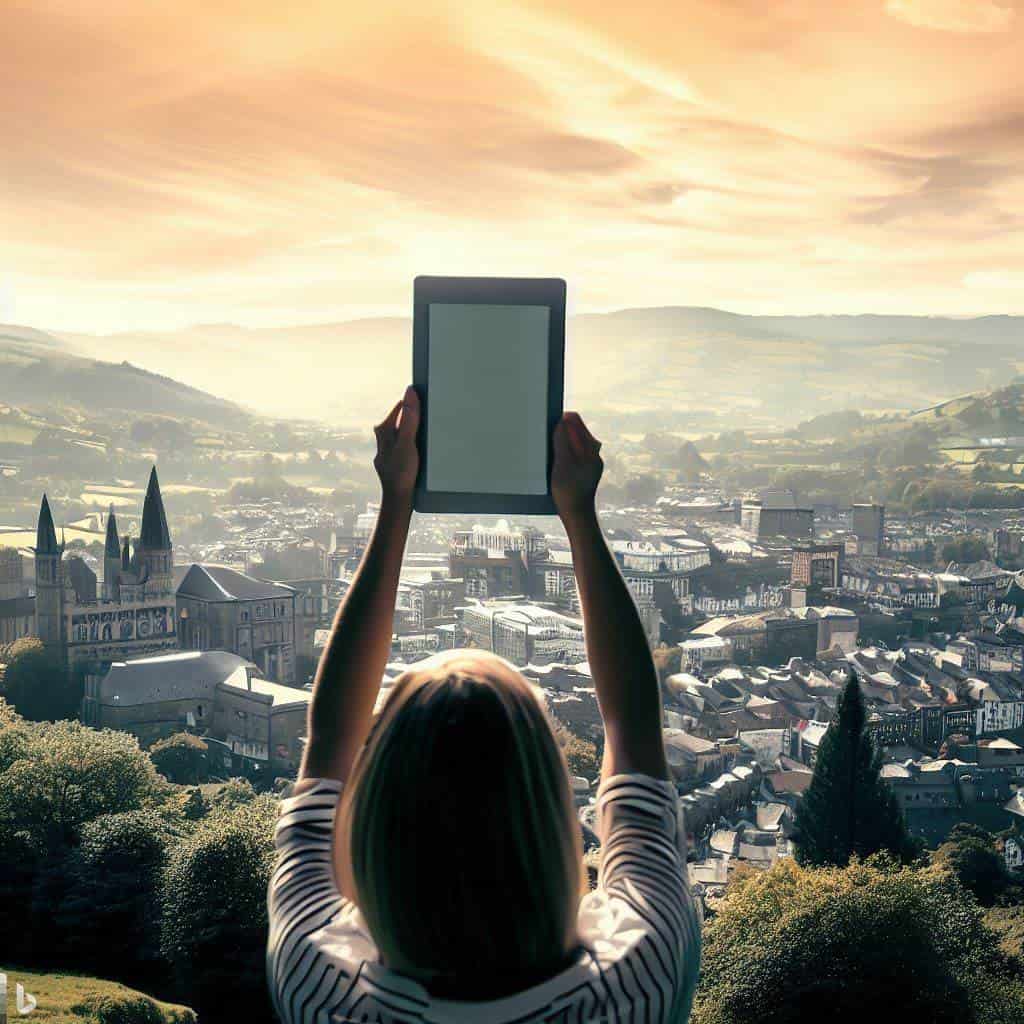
458,836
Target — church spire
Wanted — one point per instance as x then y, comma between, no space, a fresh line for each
126,555
46,535
113,544
154,535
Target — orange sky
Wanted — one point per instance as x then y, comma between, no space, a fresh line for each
268,163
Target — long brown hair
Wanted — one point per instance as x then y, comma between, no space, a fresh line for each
457,836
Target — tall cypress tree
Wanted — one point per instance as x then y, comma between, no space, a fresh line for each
847,808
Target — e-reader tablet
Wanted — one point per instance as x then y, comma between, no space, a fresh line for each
489,367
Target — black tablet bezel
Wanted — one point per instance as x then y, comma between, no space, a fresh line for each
503,291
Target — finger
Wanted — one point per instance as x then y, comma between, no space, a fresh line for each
573,425
409,420
593,441
387,425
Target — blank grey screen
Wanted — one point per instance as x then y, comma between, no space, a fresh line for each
487,381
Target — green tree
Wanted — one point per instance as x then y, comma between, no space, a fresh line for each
975,863
182,758
54,779
214,913
110,908
847,808
36,682
965,549
870,941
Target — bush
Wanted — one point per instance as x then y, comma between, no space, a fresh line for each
182,758
975,863
872,939
214,907
119,1009
54,779
110,910
37,683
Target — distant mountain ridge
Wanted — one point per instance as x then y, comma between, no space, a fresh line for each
38,369
677,366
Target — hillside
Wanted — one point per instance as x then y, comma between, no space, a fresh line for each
38,370
677,366
78,999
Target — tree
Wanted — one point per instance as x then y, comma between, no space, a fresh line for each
37,683
965,549
214,913
973,860
182,758
872,941
54,779
109,911
847,808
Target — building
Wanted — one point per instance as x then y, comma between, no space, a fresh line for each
12,581
837,627
431,602
869,529
523,633
221,609
765,521
17,618
497,561
210,693
130,615
817,566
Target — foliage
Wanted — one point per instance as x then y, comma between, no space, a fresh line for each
66,998
974,861
182,758
580,754
67,774
965,549
110,905
230,795
848,810
872,939
214,912
37,683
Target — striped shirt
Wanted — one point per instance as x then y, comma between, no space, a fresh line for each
640,929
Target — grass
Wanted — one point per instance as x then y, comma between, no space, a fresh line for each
79,999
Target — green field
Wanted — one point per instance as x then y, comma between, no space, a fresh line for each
72,998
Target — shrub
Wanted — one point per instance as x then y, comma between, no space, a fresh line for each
110,911
182,758
878,939
214,912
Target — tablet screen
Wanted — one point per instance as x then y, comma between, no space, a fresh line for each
487,377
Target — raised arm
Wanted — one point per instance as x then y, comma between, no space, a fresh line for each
620,659
348,677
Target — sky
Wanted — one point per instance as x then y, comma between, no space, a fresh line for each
263,163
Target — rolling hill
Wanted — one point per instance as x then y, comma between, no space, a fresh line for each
665,366
38,370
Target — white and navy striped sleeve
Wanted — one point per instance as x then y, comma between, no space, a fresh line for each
649,946
308,977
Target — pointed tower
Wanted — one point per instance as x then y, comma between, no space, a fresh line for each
126,555
154,544
50,626
111,559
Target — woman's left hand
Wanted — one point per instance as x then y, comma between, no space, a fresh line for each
398,460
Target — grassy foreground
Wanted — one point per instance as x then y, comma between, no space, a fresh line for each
79,999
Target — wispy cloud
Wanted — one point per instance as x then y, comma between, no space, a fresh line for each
247,161
953,15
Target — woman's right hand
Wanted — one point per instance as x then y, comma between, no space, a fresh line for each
577,468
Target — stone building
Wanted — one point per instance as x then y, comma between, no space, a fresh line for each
131,614
221,609
210,693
